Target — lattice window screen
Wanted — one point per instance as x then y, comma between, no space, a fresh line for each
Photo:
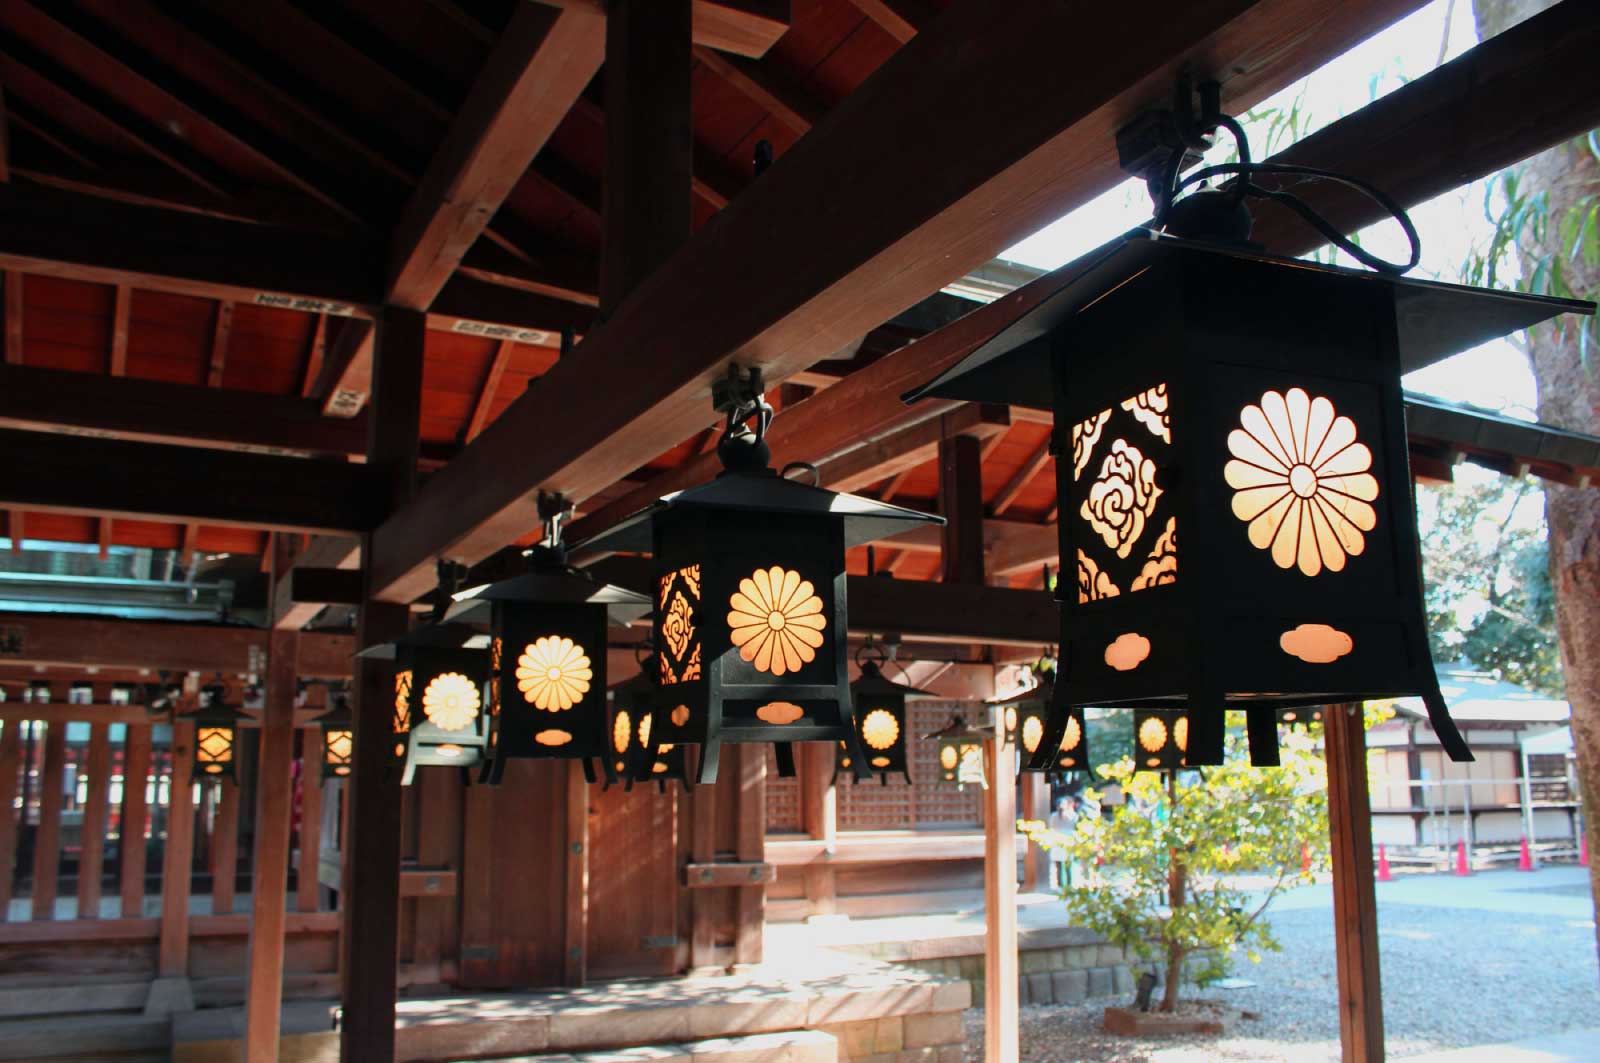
783,800
870,805
936,804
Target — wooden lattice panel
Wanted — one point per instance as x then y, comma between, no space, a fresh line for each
871,805
939,804
783,800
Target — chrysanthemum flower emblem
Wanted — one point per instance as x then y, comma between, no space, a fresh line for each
450,701
621,731
1070,736
553,673
1152,735
1032,733
775,618
879,729
1300,481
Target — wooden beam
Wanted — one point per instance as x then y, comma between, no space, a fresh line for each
92,832
316,354
487,390
14,312
60,234
575,944
270,868
135,815
750,836
225,848
1001,957
953,612
152,645
742,27
325,586
1355,901
221,331
79,474
324,552
769,89
900,19
346,373
538,67
5,139
186,546
172,952
154,411
10,763
726,295
649,147
961,503
307,889
369,944
47,837
893,454
120,314
1024,476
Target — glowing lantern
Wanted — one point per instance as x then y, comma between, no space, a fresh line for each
546,692
635,755
1160,739
1232,475
880,720
1300,717
216,733
1051,736
438,713
961,752
750,615
338,740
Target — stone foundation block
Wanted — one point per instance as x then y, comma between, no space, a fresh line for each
1039,990
1101,983
889,1035
1069,987
937,1029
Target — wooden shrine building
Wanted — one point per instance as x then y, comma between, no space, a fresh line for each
303,298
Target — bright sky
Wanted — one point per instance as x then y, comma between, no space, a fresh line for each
1496,375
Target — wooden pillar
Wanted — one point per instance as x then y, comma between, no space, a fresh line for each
1035,805
961,504
47,841
819,814
270,888
1001,962
177,855
135,816
750,847
306,889
92,844
10,761
649,146
371,896
225,848
702,850
577,898
1355,900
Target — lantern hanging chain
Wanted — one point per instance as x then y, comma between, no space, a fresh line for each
1194,131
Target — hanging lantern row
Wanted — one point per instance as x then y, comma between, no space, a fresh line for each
1235,497
437,714
1050,735
882,740
338,739
216,734
634,756
960,752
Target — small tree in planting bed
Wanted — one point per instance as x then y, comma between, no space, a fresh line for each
1164,864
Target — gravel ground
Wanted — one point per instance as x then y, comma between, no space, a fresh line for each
1451,977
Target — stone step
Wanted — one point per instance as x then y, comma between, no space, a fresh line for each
24,1001
108,1037
791,1046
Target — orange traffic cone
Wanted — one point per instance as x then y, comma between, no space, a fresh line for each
1383,866
1525,858
1462,867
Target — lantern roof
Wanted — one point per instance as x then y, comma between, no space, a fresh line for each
865,519
548,583
958,730
1434,320
445,636
873,683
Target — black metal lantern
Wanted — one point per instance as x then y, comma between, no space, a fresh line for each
961,752
546,690
879,708
1301,716
1232,475
438,714
750,612
634,754
338,740
1160,739
216,734
1051,734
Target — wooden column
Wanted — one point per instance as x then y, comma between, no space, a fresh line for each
1355,901
1035,805
177,855
702,850
750,847
10,762
135,816
577,898
270,888
819,814
91,859
369,943
47,841
225,848
439,823
649,146
306,888
961,504
1002,965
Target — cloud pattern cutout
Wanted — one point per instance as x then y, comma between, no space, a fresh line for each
1316,643
1128,651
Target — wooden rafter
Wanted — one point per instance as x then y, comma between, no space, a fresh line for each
900,19
539,66
5,138
66,641
121,313
768,88
895,453
1024,476
486,392
14,311
323,553
221,333
999,181
316,354
346,372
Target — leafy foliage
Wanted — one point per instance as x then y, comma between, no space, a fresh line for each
1164,864
1488,592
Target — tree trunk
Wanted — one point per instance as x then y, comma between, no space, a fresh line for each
1569,397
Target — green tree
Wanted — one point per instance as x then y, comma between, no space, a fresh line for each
1487,571
1165,861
